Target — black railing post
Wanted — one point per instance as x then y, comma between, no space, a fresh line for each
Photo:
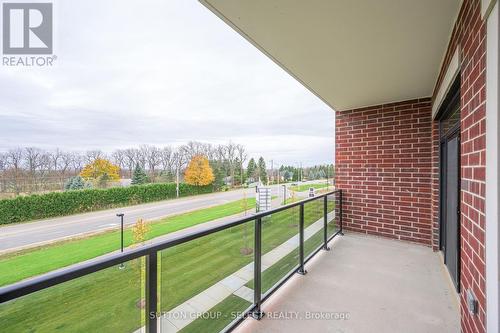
301,269
325,223
341,214
151,293
257,270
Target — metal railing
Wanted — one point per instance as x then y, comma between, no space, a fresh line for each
151,254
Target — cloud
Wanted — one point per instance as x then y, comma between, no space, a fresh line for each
159,72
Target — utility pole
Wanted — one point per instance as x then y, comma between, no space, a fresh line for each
284,194
300,172
177,181
278,178
272,171
327,172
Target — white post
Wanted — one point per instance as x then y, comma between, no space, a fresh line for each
492,194
177,181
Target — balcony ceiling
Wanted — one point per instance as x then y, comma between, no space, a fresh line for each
350,53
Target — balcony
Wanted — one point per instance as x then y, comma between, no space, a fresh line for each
242,275
365,284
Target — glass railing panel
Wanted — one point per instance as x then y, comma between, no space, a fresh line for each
332,214
203,282
110,300
280,247
313,226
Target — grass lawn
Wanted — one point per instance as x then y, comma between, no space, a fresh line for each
219,316
32,262
109,300
306,187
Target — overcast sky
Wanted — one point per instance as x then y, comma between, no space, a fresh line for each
159,72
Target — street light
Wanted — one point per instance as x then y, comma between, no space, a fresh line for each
121,215
284,194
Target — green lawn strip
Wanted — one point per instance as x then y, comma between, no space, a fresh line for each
306,187
32,262
218,317
108,300
105,301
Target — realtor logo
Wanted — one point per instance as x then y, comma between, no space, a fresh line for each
27,28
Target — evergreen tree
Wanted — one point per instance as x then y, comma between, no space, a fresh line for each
262,170
139,177
219,175
75,183
251,169
103,180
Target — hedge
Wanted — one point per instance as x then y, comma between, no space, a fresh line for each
54,204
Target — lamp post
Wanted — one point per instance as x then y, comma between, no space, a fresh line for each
121,215
284,194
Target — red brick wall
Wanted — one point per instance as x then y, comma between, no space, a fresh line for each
384,165
470,36
435,186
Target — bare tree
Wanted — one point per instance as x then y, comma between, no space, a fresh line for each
193,148
56,157
130,159
242,156
180,159
77,162
167,159
14,162
66,162
141,156
153,157
44,171
47,170
232,156
3,161
32,160
3,167
119,158
92,155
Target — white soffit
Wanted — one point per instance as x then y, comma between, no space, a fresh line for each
350,53
448,79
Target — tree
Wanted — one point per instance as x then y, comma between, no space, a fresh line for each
76,183
93,155
199,172
262,170
219,175
140,231
130,155
139,177
99,168
251,169
242,157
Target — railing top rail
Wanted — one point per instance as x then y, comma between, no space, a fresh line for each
50,279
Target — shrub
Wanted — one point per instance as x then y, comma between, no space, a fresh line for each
41,206
76,183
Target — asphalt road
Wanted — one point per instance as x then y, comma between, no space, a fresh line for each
24,235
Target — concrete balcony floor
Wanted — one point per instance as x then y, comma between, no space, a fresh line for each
384,286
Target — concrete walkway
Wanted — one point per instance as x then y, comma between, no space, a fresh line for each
186,313
365,284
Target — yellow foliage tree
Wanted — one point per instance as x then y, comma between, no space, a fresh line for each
140,231
199,172
99,168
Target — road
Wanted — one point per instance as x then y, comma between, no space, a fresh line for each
19,236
